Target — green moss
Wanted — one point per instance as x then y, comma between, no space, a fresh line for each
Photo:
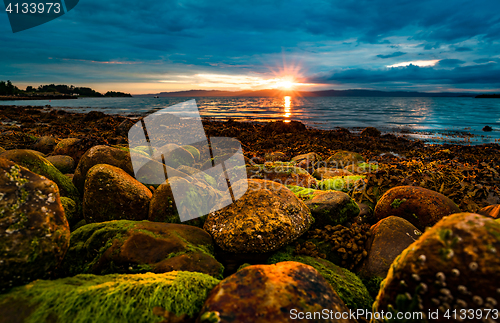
347,285
194,151
302,192
243,266
340,183
397,202
70,210
112,298
367,167
372,284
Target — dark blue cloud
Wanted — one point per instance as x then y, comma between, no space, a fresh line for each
395,54
450,62
474,74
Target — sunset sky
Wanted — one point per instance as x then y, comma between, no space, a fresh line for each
153,46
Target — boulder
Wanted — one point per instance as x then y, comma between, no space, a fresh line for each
65,164
174,156
34,233
163,208
265,218
272,293
344,158
389,237
420,206
347,285
45,144
69,147
275,156
322,173
453,265
332,208
306,161
492,211
140,298
128,247
286,175
101,155
41,166
112,194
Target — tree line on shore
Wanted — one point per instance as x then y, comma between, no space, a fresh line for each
9,89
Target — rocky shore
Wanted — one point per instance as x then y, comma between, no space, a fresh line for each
332,222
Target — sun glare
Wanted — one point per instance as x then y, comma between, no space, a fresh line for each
285,83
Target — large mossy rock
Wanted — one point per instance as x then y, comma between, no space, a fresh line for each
112,194
347,285
101,155
163,207
265,218
453,265
115,298
137,247
420,206
34,233
41,166
271,293
65,164
332,208
389,237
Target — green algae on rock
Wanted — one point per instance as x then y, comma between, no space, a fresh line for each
332,208
453,265
71,210
112,194
271,293
420,206
107,299
163,207
34,233
136,247
342,183
41,166
266,217
347,285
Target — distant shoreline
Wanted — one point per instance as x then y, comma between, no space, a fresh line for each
31,98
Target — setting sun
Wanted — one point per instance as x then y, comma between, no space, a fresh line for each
284,84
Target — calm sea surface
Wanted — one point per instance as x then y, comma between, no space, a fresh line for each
436,120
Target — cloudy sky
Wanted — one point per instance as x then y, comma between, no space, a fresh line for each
151,46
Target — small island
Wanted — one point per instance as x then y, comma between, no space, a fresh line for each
488,96
9,91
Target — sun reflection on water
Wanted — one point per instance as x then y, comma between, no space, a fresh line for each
288,105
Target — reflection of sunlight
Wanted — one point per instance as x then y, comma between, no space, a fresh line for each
288,104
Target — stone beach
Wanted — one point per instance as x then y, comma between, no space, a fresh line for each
331,222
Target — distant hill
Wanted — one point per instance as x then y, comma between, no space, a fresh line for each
327,93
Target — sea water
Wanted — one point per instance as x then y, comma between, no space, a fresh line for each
435,120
